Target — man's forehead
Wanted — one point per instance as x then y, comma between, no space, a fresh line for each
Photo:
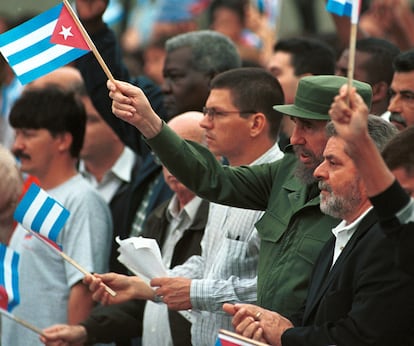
403,81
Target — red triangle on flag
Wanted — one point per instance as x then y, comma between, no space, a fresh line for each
4,299
67,33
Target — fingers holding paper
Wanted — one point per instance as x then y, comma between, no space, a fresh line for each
126,288
130,104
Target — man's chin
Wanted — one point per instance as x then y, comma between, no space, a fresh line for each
304,172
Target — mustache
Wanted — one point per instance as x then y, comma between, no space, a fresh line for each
20,154
324,186
398,118
299,149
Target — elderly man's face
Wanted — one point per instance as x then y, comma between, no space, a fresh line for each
308,140
184,88
342,191
402,99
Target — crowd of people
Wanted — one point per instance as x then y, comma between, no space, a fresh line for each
278,193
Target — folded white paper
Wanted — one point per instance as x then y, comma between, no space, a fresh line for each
141,256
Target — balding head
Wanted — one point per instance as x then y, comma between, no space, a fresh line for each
67,78
187,126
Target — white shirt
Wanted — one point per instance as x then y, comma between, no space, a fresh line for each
118,174
226,271
343,234
156,329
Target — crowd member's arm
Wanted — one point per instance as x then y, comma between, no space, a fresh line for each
193,164
80,303
90,12
114,323
126,288
392,204
351,124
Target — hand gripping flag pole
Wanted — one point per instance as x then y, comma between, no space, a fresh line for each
89,41
44,217
46,42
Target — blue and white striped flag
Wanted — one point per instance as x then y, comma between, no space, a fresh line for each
9,278
42,44
349,8
39,212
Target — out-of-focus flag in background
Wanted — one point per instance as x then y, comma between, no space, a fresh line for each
349,8
9,278
39,212
42,44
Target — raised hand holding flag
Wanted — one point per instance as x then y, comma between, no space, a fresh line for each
46,42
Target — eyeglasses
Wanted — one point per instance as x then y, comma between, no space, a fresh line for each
212,112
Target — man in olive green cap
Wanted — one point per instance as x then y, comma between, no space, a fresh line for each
293,229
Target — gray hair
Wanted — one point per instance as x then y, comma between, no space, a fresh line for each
212,52
380,130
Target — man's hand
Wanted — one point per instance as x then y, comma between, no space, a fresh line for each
131,105
175,292
126,288
64,335
257,323
351,121
90,12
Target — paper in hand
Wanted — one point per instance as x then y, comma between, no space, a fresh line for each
141,256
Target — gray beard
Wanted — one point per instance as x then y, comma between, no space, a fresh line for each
305,174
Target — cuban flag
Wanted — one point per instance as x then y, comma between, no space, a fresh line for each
9,278
39,212
349,8
43,44
227,338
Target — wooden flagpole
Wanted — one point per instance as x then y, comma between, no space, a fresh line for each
70,260
352,43
89,41
21,322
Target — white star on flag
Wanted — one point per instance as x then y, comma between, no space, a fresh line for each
66,32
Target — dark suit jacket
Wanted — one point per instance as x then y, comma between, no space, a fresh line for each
123,321
364,299
95,81
387,205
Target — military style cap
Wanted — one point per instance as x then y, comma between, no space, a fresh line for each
315,95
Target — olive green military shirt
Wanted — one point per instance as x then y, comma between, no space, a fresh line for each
292,230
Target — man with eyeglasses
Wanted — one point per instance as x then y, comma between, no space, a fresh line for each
241,125
292,229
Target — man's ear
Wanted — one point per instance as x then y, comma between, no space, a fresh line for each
257,124
379,91
64,141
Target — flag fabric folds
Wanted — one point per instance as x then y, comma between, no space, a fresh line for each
39,212
349,8
9,278
42,44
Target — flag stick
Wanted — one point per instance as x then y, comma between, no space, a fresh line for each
351,58
89,42
70,260
21,322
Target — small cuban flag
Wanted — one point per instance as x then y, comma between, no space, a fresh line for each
349,8
227,338
42,44
9,278
39,212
